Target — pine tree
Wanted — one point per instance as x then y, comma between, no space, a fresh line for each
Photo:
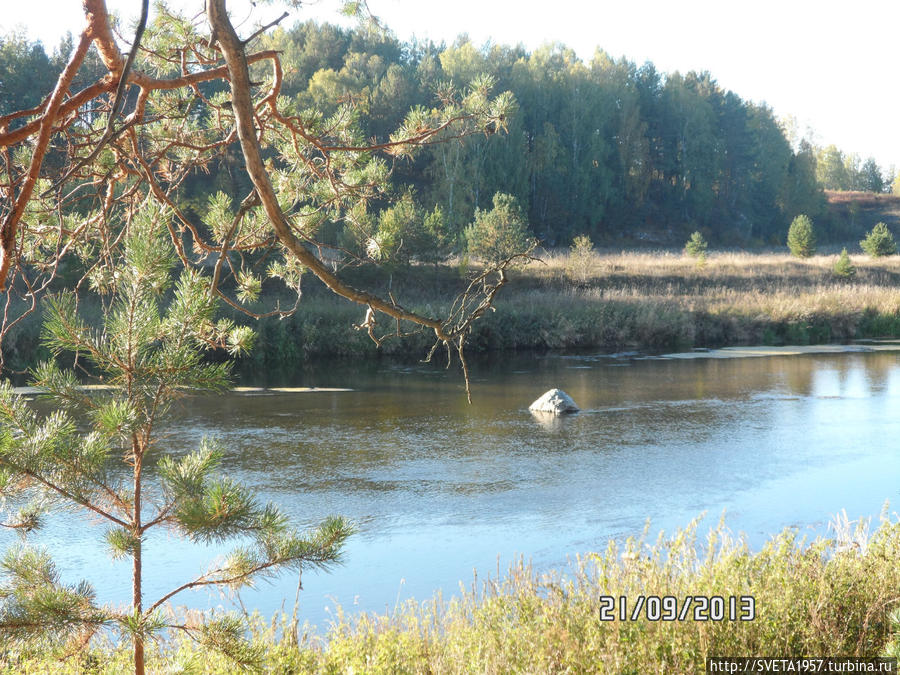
499,233
696,246
879,242
801,239
149,353
844,268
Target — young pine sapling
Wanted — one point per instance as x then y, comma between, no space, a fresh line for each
95,453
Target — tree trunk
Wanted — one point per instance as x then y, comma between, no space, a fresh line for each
136,602
136,595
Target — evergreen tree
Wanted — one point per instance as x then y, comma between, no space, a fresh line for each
801,239
696,246
844,268
871,177
499,233
401,234
95,453
879,242
800,192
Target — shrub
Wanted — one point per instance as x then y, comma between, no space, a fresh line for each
581,253
879,242
825,596
696,246
801,239
499,233
843,268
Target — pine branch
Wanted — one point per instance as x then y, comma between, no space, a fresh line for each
63,492
324,553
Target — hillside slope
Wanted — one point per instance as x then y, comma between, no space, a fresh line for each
864,209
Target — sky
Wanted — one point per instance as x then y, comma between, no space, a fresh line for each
830,65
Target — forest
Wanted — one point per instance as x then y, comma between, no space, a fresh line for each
159,213
610,149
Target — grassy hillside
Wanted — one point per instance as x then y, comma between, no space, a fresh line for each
859,211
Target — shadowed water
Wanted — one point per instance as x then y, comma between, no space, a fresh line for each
438,488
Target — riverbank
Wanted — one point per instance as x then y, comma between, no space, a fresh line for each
604,301
624,301
792,598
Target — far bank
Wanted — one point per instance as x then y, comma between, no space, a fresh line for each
616,302
653,302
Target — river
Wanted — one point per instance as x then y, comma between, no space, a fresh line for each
438,488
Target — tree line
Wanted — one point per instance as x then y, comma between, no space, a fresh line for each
837,170
181,177
605,148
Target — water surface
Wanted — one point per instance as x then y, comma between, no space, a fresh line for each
438,488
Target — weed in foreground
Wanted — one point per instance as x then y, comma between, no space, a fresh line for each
831,596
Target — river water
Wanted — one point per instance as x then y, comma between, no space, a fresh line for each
438,488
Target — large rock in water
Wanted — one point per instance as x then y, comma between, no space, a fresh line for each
555,402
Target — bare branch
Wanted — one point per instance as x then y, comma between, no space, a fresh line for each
266,27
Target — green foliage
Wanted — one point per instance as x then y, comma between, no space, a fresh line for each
561,112
406,233
879,242
844,268
831,169
871,178
357,84
78,456
696,246
499,233
580,261
801,239
827,596
836,170
442,237
36,606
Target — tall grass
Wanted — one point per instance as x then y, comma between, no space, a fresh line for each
826,597
622,301
627,301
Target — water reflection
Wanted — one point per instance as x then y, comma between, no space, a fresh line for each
439,487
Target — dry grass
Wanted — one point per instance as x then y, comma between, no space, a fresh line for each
590,300
777,286
826,597
724,266
664,300
865,208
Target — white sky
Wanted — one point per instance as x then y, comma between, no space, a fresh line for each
832,65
